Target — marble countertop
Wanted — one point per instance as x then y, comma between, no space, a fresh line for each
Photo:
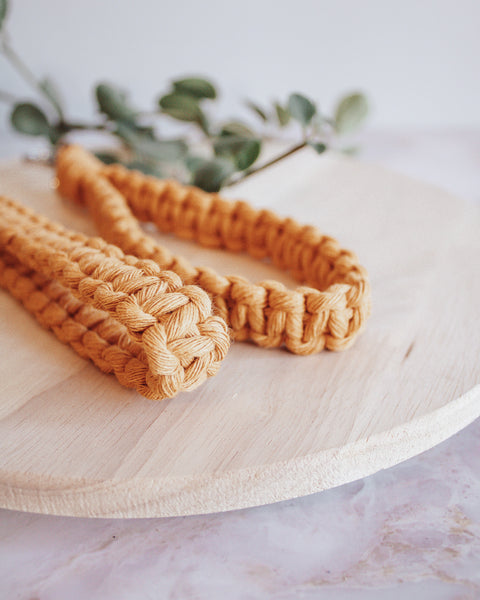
410,531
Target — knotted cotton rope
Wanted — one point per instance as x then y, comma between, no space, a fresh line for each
327,312
155,321
161,337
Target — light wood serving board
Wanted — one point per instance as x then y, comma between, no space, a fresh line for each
270,425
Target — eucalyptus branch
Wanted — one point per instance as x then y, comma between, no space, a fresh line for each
231,148
248,173
77,126
17,62
22,68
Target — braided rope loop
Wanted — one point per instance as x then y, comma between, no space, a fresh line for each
328,311
130,316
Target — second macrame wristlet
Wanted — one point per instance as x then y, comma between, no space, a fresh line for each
155,321
328,311
128,315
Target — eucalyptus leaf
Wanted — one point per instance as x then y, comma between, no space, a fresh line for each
163,150
51,92
212,174
283,116
145,167
113,102
3,11
228,145
196,87
257,110
146,147
29,119
182,107
127,133
319,147
350,113
55,134
146,130
301,108
108,158
193,162
236,128
204,124
243,151
248,154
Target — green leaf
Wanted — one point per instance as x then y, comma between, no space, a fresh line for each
351,113
108,158
283,115
126,132
193,163
55,134
146,130
3,11
248,154
318,147
148,148
161,150
243,151
182,107
257,110
212,174
112,101
301,109
145,167
29,119
196,87
204,124
51,92
236,128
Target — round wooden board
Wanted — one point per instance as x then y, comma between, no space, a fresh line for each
270,426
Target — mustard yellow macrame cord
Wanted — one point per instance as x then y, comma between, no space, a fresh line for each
328,311
128,315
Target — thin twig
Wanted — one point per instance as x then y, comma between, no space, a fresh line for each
271,162
84,126
15,60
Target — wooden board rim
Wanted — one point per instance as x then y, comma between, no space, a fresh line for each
317,472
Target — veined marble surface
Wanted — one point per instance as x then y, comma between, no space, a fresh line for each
412,531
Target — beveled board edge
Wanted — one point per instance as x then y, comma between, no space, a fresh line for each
241,488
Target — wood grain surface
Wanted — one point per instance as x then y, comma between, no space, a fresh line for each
270,425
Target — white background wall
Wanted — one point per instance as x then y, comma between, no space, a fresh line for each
419,60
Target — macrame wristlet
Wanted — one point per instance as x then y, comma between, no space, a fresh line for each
158,323
161,337
327,312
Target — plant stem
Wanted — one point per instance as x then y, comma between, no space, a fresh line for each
84,126
266,165
24,71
